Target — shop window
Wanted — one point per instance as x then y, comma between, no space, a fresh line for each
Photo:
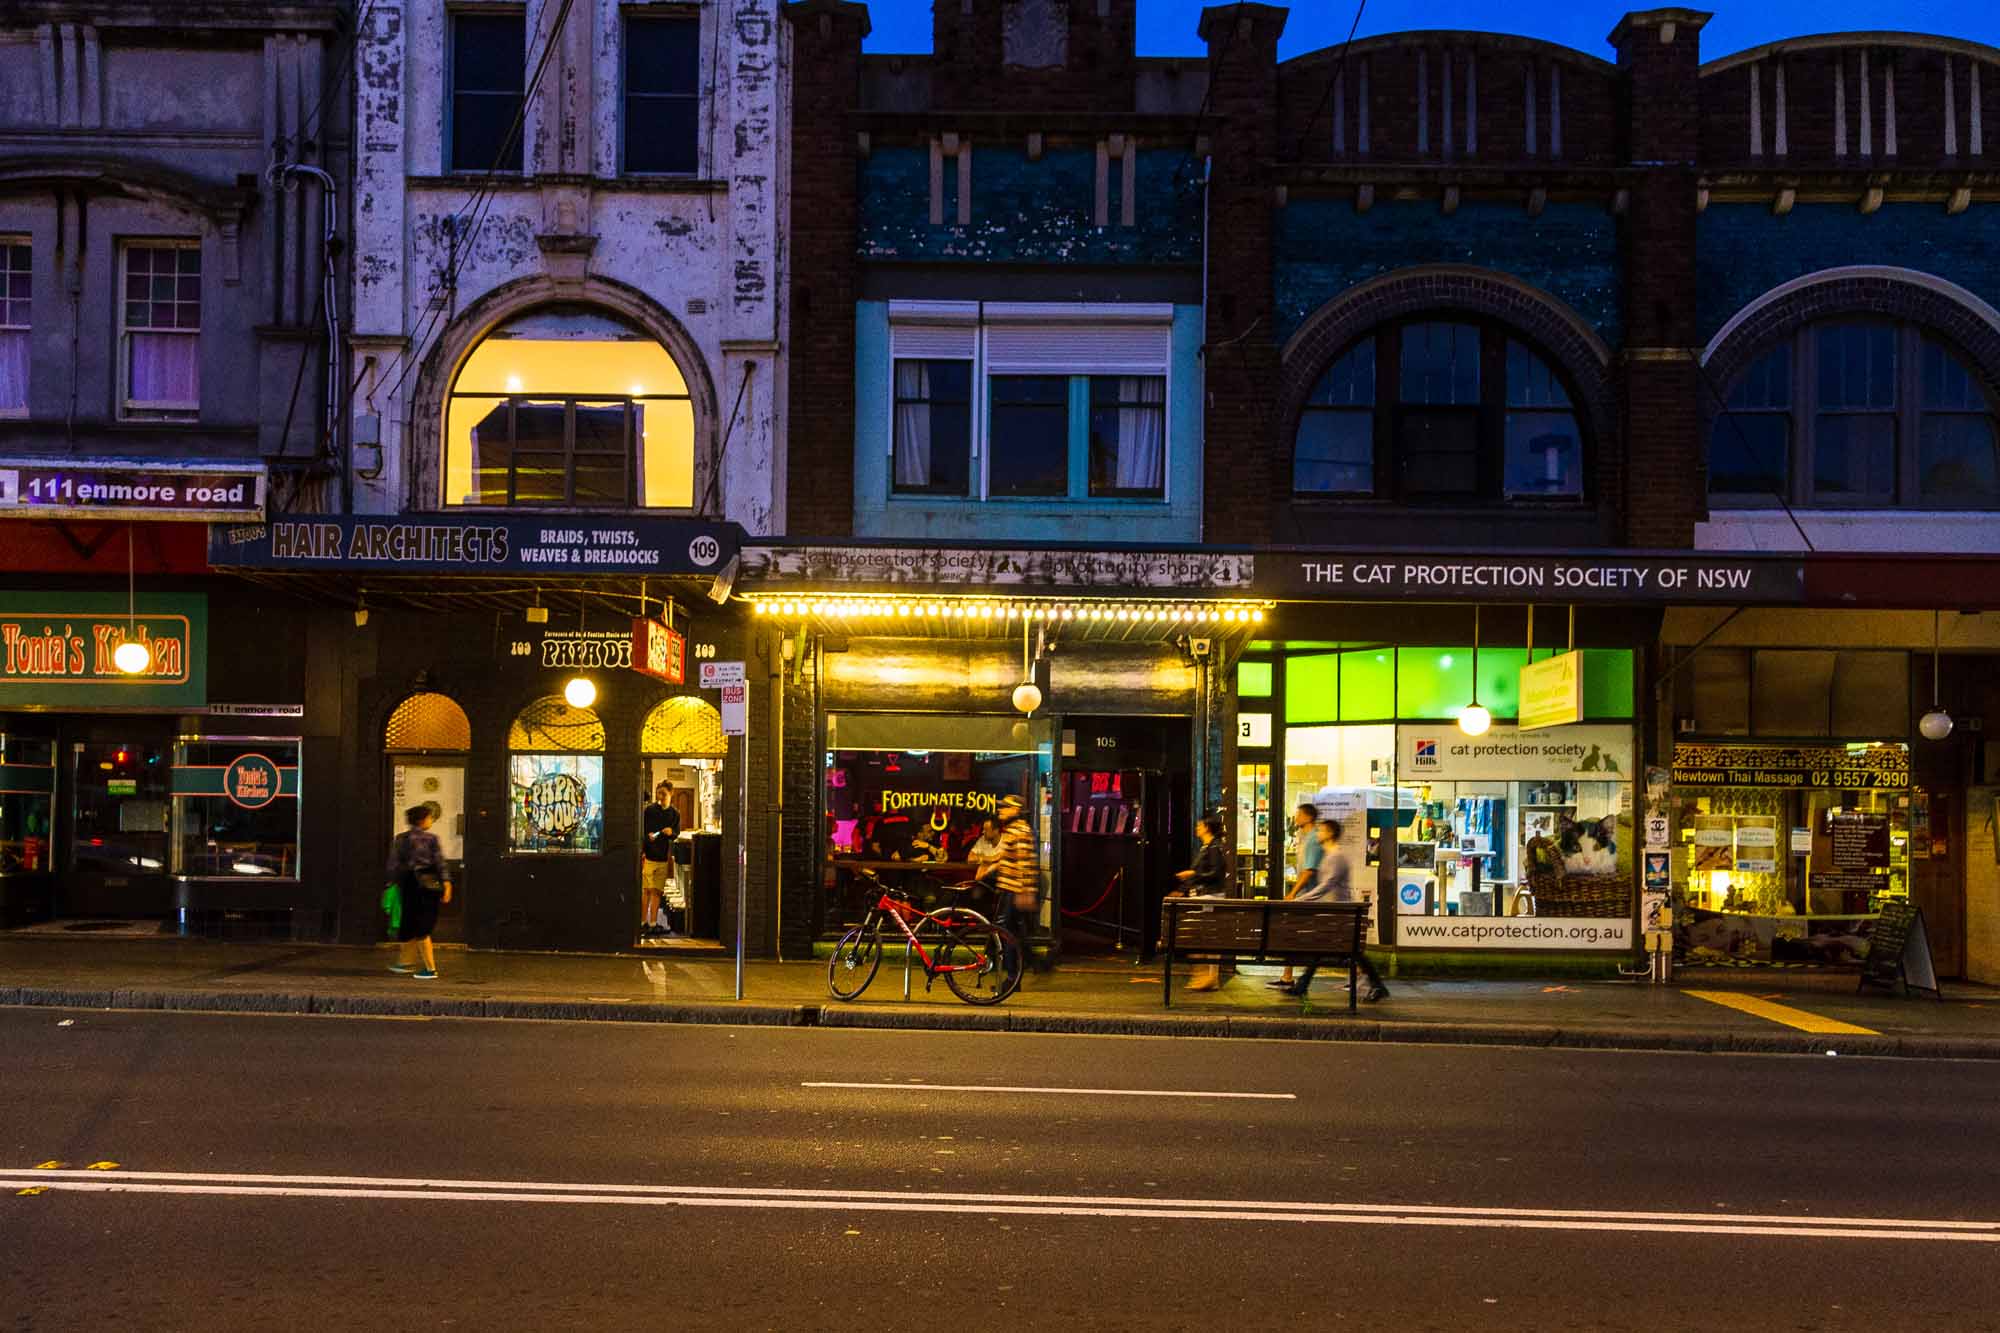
567,406
27,799
1253,680
488,83
555,780
16,323
1858,413
662,93
236,808
1029,402
1445,411
906,795
428,722
159,343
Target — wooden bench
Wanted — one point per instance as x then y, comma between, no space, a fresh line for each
1263,930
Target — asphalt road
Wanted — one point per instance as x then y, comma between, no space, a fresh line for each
418,1174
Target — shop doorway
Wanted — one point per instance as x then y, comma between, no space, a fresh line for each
426,743
1125,823
679,901
114,853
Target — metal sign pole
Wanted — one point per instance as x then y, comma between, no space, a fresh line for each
742,838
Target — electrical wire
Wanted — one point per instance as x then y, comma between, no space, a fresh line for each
1722,404
479,201
1326,94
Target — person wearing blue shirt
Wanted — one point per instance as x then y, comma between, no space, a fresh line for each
1305,866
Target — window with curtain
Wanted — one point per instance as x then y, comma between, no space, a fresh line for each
1128,435
1030,401
489,54
933,428
1440,410
569,406
160,339
16,323
1858,413
662,93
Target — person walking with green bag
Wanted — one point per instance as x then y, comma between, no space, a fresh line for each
416,865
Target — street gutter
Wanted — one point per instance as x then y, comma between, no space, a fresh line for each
1709,1041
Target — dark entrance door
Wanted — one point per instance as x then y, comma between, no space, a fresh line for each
116,795
1123,829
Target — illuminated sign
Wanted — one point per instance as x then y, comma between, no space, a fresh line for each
56,649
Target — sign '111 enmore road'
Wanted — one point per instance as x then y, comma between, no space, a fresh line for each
110,488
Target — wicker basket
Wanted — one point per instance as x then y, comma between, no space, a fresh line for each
1588,896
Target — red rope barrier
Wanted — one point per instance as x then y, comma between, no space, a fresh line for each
1108,890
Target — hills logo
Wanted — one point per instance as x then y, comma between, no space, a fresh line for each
1426,755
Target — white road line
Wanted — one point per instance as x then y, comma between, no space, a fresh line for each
1054,1205
1058,1092
110,1184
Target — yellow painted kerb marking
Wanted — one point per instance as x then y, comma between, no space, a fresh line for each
1781,1013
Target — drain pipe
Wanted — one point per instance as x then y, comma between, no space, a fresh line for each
330,303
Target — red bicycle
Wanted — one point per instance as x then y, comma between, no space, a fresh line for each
971,953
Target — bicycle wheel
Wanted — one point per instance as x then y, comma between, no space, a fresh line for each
854,962
977,959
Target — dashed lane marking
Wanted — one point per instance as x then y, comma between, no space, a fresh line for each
1057,1092
1782,1013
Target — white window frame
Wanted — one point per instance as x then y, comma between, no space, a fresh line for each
129,408
1069,339
26,243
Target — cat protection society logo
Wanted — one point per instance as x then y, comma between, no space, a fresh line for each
1427,754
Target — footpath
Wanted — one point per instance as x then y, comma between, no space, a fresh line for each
1734,1011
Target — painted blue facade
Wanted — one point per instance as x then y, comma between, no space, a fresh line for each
879,514
1323,247
1028,212
1744,250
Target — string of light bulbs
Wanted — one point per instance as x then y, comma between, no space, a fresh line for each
993,612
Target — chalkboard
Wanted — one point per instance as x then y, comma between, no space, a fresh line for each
1899,951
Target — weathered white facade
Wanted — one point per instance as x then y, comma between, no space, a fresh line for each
694,259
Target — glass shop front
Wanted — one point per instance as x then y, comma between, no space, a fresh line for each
1507,840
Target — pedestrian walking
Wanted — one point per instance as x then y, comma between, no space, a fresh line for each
1208,877
1334,884
1305,862
1019,880
416,864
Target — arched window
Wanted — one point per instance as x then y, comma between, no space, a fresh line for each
569,406
683,725
555,779
1858,412
1439,411
427,722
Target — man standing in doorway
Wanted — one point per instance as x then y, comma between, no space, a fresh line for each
1019,876
660,826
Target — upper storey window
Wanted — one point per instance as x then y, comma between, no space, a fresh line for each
160,331
567,407
488,83
662,94
16,323
1029,402
1439,411
1857,413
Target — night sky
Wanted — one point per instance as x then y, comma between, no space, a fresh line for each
1167,27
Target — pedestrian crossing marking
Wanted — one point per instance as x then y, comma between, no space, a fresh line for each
1782,1013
